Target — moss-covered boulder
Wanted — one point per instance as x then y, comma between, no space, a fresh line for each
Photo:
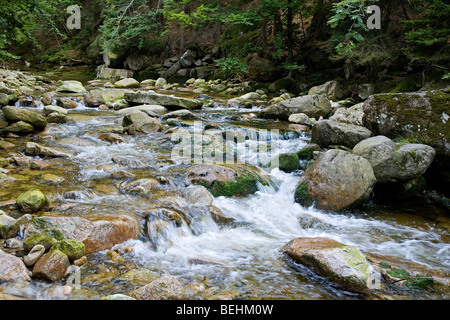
33,200
287,162
336,181
15,114
8,226
421,117
222,181
71,86
72,248
307,152
46,240
342,264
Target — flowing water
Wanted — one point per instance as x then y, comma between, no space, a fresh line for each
241,259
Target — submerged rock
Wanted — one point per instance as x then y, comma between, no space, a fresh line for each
340,263
336,181
164,288
34,149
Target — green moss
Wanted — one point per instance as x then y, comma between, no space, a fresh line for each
72,248
288,162
47,228
306,153
43,239
242,186
302,196
414,282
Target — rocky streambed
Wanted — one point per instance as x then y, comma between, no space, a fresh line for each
114,190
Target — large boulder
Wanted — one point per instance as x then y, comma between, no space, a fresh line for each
331,89
97,234
52,266
261,69
221,180
32,201
71,86
127,83
138,122
395,162
103,72
336,181
15,114
153,98
314,106
353,115
330,132
12,268
420,117
339,263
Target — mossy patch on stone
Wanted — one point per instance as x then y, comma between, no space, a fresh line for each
242,186
72,248
32,200
43,239
302,196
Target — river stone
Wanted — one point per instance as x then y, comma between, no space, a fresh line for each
164,288
8,226
32,201
160,82
331,89
4,99
335,181
66,103
395,162
56,117
340,263
52,266
138,122
209,173
353,115
330,132
127,83
20,127
12,268
51,109
117,296
183,114
301,118
418,116
288,162
72,248
97,234
153,98
33,256
151,110
314,106
45,240
34,149
141,186
71,86
15,114
198,195
129,162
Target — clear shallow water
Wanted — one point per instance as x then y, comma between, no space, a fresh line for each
243,257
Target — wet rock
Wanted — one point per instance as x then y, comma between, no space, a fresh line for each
141,186
218,216
4,99
34,149
164,288
13,243
12,268
198,195
307,152
122,174
34,255
39,165
44,240
160,82
330,132
52,109
222,181
336,181
71,86
151,110
96,234
340,263
50,178
80,262
8,226
112,137
129,162
4,145
153,98
22,161
114,256
15,114
20,127
32,201
52,266
127,83
331,89
72,248
287,162
56,117
182,114
138,122
395,162
66,103
314,106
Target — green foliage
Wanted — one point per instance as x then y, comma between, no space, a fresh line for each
233,65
